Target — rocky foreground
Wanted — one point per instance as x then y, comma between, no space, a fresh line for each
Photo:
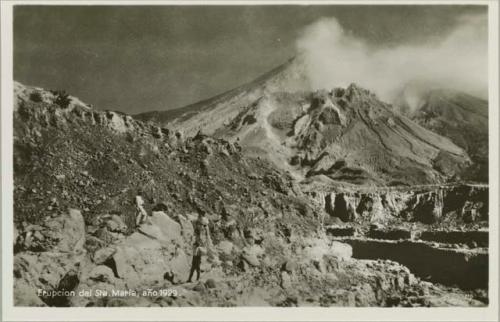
261,269
273,241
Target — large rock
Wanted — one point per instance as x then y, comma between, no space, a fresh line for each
289,266
340,250
116,224
69,229
35,271
96,282
103,254
315,249
251,255
179,267
140,261
225,247
251,259
102,273
155,251
42,271
162,228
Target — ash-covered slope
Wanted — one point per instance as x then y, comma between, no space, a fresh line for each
96,161
344,135
213,113
461,117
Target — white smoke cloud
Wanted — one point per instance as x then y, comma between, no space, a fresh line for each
459,60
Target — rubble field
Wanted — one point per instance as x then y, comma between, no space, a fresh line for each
272,241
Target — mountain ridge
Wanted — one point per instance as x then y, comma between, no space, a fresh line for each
321,132
461,117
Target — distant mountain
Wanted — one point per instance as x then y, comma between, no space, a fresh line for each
224,107
342,135
461,117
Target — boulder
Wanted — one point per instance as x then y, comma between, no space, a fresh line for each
162,228
116,224
143,258
47,270
289,266
225,247
69,230
42,271
94,288
179,267
103,254
210,283
102,273
251,254
340,250
140,261
251,259
315,248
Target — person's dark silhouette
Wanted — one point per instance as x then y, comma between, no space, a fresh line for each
196,263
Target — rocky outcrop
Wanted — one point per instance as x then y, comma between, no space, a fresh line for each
62,233
466,203
268,245
143,259
41,277
156,249
47,113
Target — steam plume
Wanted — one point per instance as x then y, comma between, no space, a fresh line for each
457,61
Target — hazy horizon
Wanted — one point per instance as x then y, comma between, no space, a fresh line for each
143,58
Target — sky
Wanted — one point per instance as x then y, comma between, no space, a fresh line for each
140,58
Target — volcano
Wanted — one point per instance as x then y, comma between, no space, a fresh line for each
343,135
461,117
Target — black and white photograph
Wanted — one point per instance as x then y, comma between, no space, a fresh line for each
248,155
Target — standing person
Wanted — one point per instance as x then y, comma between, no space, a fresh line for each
141,213
196,263
201,226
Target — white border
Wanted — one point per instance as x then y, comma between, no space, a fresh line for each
11,313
